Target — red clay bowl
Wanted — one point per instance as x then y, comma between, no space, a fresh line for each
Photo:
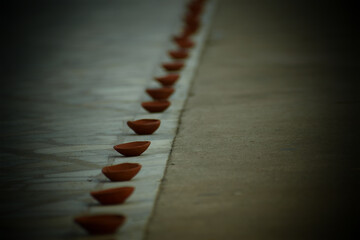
100,224
156,106
191,18
121,172
132,148
192,23
144,126
113,195
160,93
168,80
174,66
186,43
178,54
190,29
195,7
193,26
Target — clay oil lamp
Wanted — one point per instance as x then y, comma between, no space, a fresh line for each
192,22
121,172
173,66
144,126
191,18
156,106
186,43
194,26
195,7
189,30
113,195
160,93
179,54
100,224
132,148
168,80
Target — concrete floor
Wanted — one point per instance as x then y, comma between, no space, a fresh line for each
267,145
73,73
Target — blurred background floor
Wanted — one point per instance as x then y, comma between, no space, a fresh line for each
267,145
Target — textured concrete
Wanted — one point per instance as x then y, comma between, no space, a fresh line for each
266,148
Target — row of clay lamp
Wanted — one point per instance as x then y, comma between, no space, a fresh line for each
109,223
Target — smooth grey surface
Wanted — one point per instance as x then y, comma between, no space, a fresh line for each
267,145
73,73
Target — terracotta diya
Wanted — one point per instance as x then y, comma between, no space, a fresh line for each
113,195
195,7
156,106
132,148
160,93
179,54
174,66
100,224
186,43
168,80
193,26
144,126
190,19
189,30
121,172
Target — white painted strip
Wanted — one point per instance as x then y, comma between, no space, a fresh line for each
139,206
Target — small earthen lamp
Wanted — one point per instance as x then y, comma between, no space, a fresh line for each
132,148
173,66
179,54
156,106
168,80
195,7
191,19
144,126
112,195
100,224
193,23
190,30
160,93
121,172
